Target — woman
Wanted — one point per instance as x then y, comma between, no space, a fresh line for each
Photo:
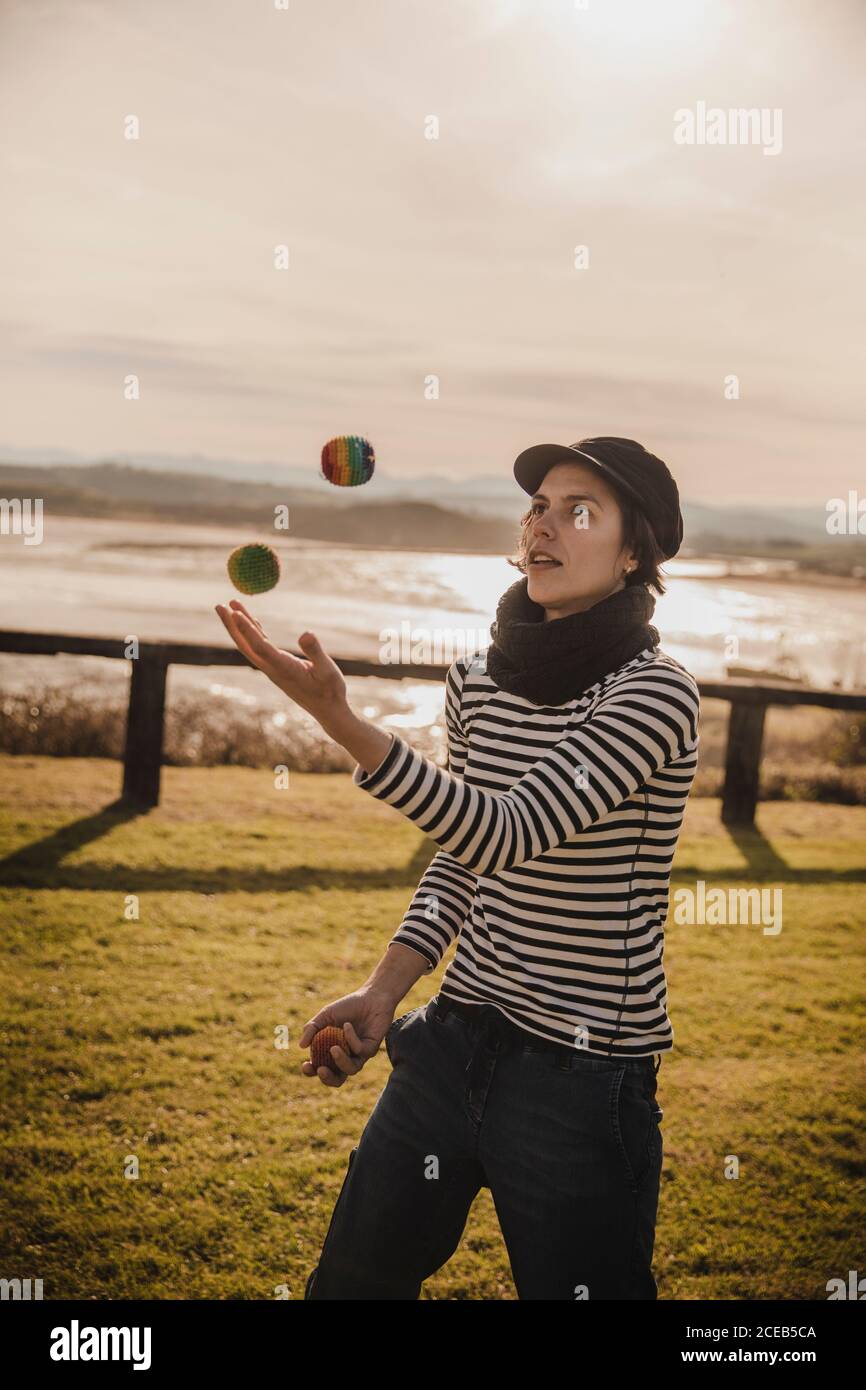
572,750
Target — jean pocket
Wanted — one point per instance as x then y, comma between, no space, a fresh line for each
634,1123
392,1033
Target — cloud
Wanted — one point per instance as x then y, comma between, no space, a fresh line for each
412,257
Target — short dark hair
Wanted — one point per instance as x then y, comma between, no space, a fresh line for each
638,535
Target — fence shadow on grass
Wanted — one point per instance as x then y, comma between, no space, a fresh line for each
762,859
40,865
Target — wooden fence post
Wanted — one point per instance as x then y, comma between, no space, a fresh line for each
144,732
743,762
142,759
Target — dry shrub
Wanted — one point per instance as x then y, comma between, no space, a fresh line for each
809,753
200,730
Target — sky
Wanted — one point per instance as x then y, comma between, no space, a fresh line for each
411,258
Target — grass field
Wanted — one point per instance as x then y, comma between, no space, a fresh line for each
155,1038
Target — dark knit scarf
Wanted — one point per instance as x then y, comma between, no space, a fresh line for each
552,662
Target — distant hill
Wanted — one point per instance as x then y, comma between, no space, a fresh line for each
418,514
118,490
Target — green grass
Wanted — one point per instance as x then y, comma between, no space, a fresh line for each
155,1038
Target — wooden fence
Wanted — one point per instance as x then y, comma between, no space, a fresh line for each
145,724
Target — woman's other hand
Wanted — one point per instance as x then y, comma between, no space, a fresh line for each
365,1016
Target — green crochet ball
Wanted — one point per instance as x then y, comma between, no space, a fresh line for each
253,568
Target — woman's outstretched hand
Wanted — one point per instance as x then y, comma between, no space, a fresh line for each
315,683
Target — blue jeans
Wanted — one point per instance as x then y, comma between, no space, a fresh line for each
568,1143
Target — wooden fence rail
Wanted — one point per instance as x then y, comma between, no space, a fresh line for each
145,723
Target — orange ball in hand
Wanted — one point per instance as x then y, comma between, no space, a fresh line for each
320,1047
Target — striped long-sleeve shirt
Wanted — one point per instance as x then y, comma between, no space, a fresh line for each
557,826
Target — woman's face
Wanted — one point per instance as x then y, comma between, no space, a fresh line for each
576,520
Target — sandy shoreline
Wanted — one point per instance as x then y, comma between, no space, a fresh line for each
160,581
192,534
734,570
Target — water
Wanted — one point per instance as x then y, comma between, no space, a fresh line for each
158,581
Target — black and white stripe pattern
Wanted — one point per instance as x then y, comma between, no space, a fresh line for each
557,826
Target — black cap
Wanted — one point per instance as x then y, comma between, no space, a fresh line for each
628,467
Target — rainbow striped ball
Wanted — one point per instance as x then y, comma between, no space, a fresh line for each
348,460
253,568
